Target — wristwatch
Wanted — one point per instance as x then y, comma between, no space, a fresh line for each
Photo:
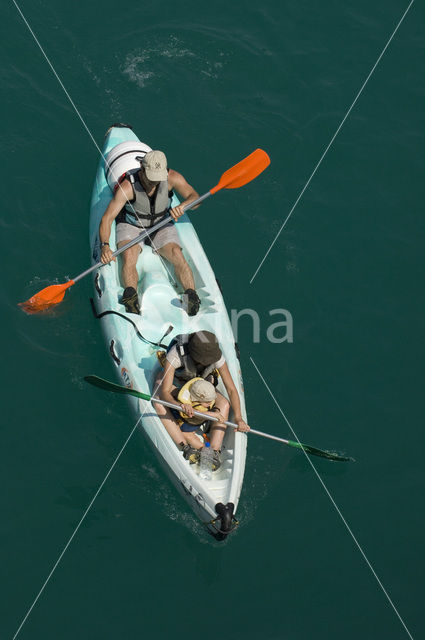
104,244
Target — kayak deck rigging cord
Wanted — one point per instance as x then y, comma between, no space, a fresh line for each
139,335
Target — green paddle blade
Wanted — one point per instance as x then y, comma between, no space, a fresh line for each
318,452
116,388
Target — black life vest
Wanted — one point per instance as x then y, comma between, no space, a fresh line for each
189,368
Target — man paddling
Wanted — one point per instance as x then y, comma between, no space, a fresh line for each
193,356
141,201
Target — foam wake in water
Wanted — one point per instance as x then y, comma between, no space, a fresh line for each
166,496
153,61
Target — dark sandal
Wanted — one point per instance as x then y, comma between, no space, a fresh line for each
191,454
216,464
191,302
130,300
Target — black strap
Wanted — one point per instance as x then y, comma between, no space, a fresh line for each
122,217
148,216
152,202
105,313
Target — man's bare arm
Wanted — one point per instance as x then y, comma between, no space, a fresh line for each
184,189
122,195
234,399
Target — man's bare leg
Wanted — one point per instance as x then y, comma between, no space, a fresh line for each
218,429
176,434
170,424
129,274
173,253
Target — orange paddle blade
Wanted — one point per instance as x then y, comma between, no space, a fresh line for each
46,298
243,172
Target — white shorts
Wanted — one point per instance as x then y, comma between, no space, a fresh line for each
125,232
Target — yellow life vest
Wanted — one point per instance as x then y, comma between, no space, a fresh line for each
184,397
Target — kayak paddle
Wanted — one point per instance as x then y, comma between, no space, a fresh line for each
235,177
117,388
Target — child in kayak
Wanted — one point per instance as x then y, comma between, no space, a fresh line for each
196,395
193,356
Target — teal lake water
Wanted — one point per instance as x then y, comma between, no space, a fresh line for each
209,83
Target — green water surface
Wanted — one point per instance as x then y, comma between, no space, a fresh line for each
209,83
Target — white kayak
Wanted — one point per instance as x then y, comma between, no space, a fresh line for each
135,359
